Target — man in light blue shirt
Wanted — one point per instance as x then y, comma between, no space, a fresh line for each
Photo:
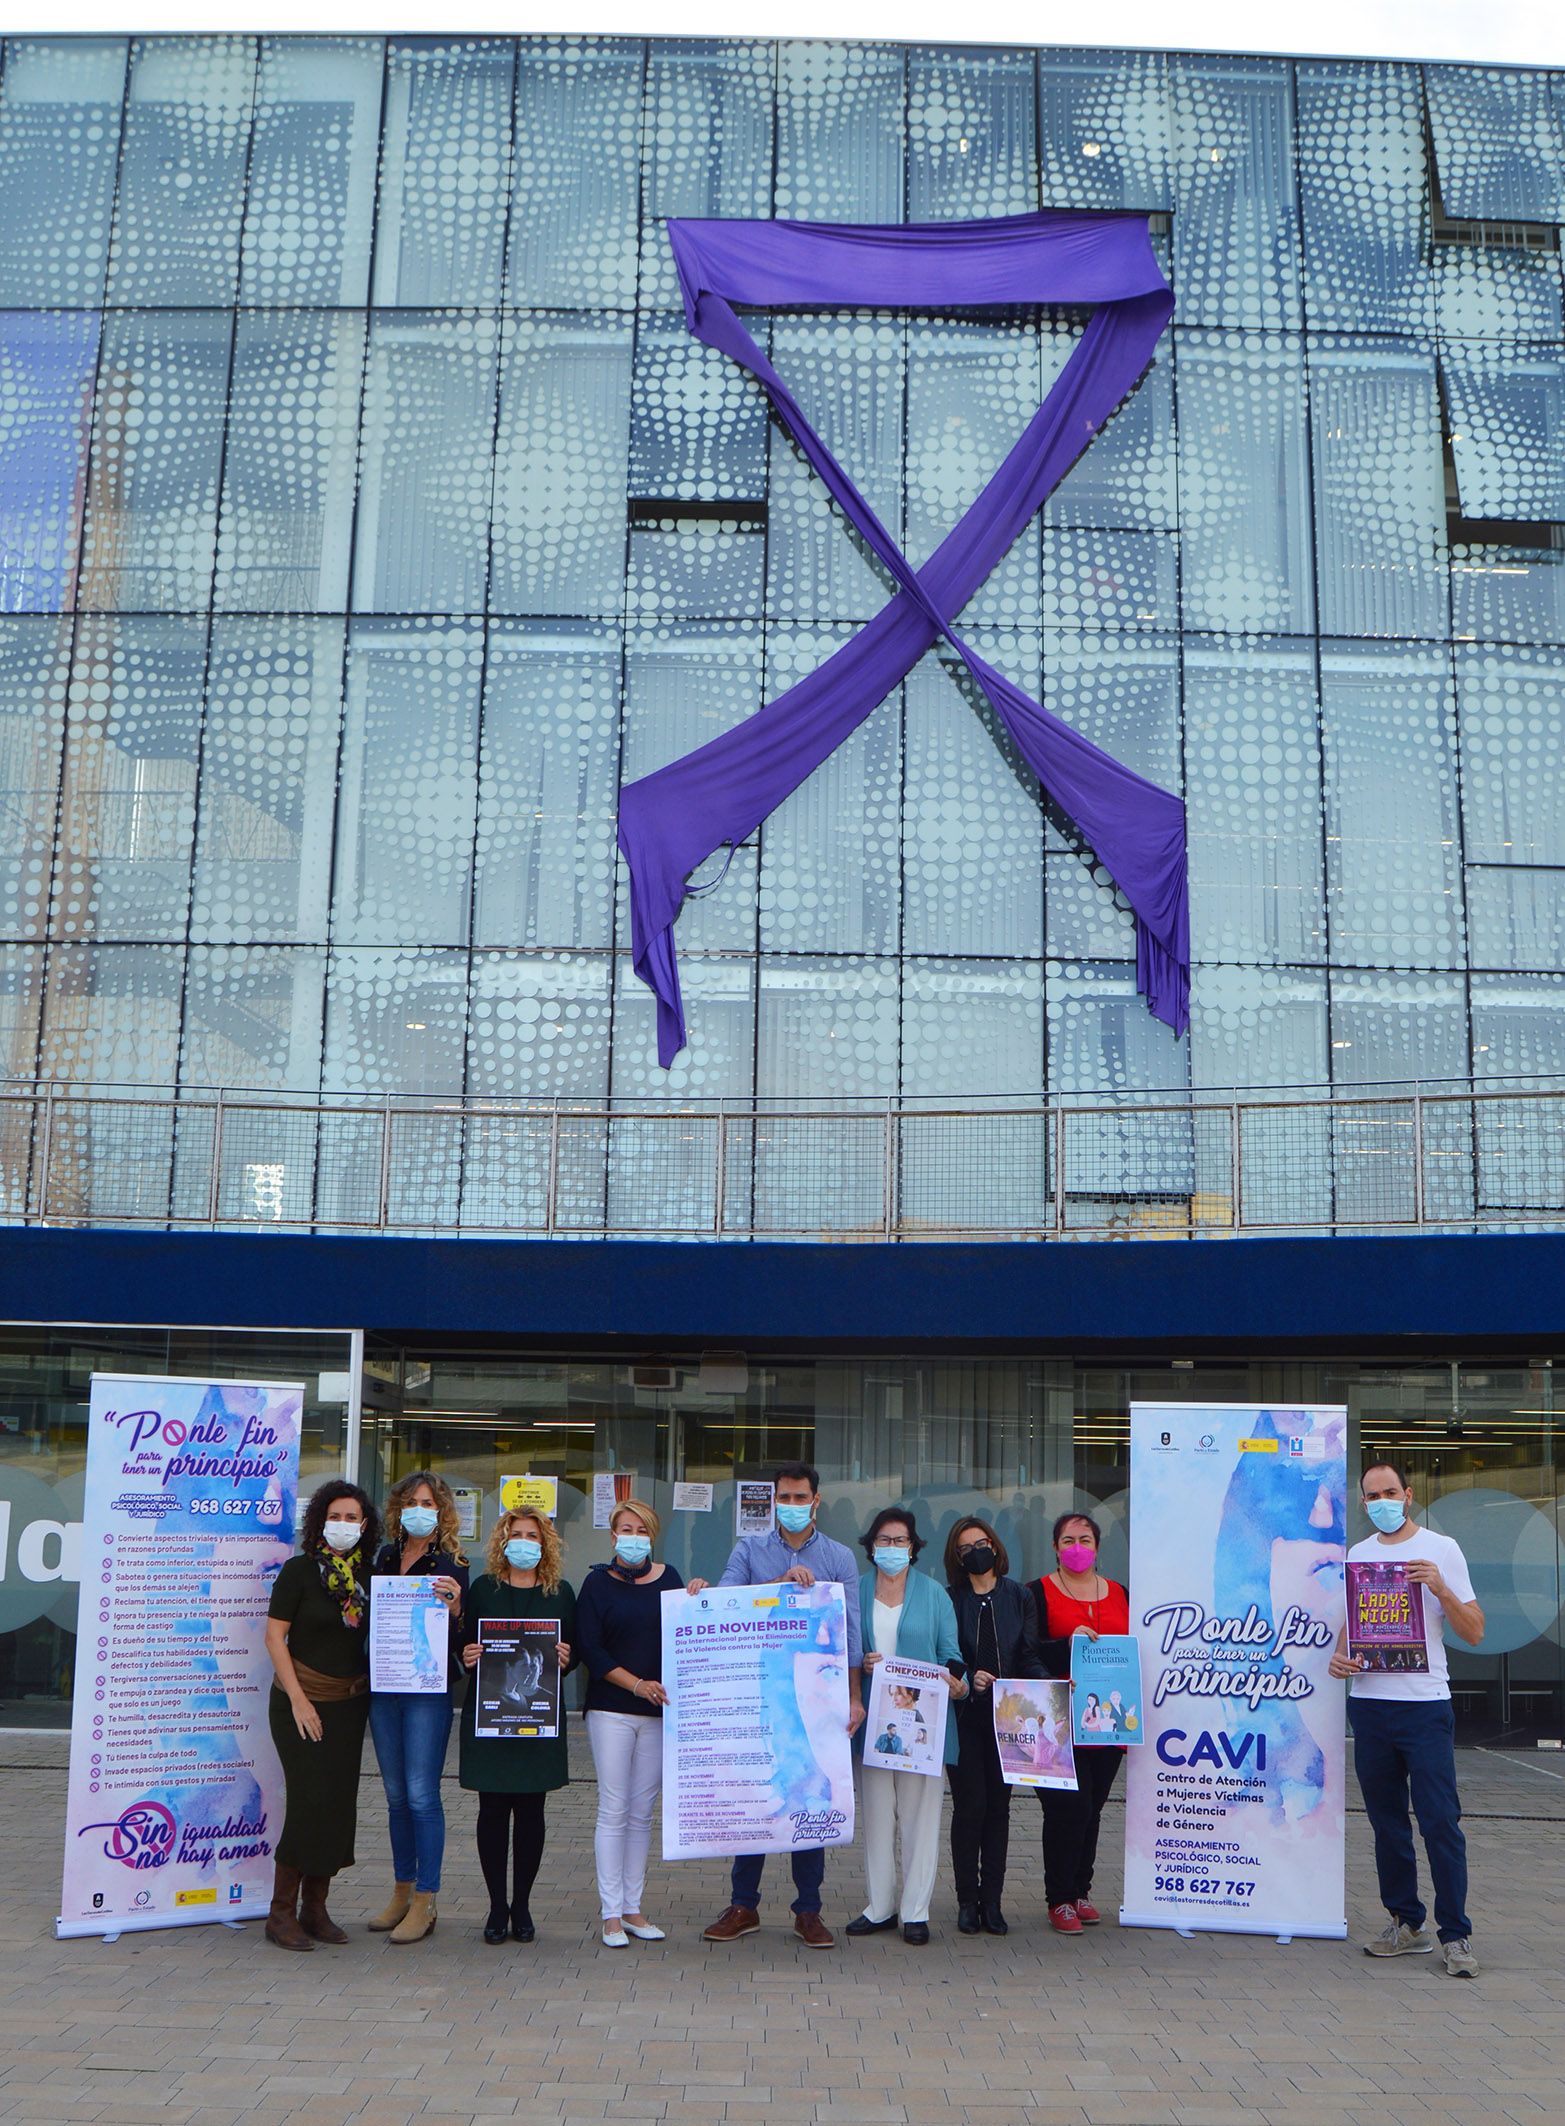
795,1549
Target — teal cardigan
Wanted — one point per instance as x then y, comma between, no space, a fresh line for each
927,1632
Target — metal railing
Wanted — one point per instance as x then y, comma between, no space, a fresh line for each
1198,1167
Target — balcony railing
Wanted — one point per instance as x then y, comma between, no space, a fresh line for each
1198,1167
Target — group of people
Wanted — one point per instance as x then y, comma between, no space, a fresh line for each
980,1625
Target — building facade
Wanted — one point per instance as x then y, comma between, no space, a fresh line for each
368,516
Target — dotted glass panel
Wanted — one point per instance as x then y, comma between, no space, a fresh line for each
1102,1039
539,1026
1397,1029
577,174
59,145
34,663
268,781
156,447
396,1022
1104,138
547,786
1511,704
127,799
1489,291
1123,695
561,465
698,421
841,133
719,1063
1507,430
1499,136
111,1015
445,173
1507,594
1085,917
828,1029
972,135
1243,485
1379,488
1519,1027
997,1004
21,1010
1364,198
1258,1026
422,538
407,795
811,900
182,171
290,466
47,363
253,1018
708,145
1236,228
1517,917
1393,841
311,205
1252,762
695,568
1127,474
1110,579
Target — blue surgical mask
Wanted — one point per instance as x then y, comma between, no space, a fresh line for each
893,1558
418,1521
633,1550
523,1551
795,1518
1387,1514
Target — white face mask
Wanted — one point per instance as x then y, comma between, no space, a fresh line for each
343,1536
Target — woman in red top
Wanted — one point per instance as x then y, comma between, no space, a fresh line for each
1074,1598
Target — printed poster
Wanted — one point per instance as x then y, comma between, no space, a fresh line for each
1032,1731
692,1498
905,1724
1106,1692
1386,1619
175,1796
537,1494
469,1503
753,1508
410,1635
756,1754
610,1488
1234,1812
517,1679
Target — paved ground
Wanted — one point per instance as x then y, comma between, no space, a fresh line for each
214,2027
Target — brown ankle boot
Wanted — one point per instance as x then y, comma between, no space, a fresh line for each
314,1918
282,1925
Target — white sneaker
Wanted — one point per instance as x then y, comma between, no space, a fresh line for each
615,1938
645,1933
1460,1961
1399,1939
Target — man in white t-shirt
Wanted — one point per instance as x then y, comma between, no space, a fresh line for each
1403,1733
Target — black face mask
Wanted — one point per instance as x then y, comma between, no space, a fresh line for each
979,1559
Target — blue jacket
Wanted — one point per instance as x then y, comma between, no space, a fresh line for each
927,1632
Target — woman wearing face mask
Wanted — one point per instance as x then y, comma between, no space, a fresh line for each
513,1776
317,1634
906,1615
996,1628
1076,1598
619,1626
412,1728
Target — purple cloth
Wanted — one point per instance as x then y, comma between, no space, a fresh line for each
671,821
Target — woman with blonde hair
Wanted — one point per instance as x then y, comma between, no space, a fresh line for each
620,1620
413,1728
513,1775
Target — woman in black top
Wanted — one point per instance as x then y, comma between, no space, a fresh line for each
317,1633
412,1728
997,1631
619,1628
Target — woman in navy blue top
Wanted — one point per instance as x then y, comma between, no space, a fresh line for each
619,1633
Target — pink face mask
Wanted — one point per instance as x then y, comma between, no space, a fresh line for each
1077,1557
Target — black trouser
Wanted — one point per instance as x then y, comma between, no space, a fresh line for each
495,1816
980,1813
1070,1825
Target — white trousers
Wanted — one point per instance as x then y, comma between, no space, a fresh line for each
908,1802
627,1749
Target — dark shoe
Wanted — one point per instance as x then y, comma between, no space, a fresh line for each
282,1923
968,1918
865,1925
813,1931
522,1928
496,1927
316,1921
737,1920
994,1920
916,1933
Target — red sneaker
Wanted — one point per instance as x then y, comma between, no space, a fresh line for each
1062,1918
1089,1915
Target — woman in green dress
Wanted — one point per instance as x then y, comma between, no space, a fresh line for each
513,1773
317,1633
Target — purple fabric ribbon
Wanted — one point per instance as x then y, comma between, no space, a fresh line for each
671,821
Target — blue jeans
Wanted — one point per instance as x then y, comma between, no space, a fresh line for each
411,1733
809,1872
1402,1745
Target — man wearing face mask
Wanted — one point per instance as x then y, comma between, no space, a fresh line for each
794,1550
1404,1729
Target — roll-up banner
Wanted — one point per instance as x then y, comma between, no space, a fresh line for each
1234,1812
175,1796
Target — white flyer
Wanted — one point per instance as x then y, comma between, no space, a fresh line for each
410,1635
905,1725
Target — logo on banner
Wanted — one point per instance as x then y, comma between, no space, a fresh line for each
141,1836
